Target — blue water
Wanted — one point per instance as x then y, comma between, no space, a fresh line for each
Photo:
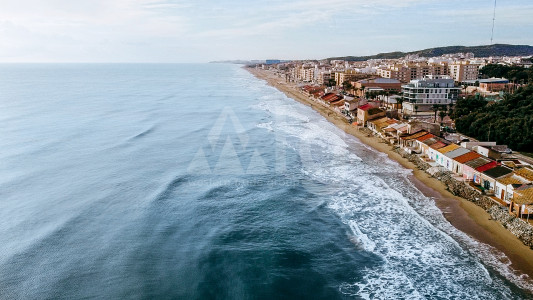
199,182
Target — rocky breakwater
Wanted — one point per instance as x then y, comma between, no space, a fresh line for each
520,228
517,226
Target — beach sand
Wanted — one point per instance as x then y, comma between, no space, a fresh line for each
462,214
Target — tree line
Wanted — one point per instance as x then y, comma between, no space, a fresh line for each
508,122
515,74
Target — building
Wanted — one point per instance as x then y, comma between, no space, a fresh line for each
324,77
348,75
464,70
407,72
492,151
367,112
522,201
385,84
422,94
489,177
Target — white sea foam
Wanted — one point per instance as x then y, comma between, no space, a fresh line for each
422,253
266,125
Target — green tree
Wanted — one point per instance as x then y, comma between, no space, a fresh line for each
435,108
442,114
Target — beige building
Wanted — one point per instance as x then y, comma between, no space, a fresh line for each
408,72
324,77
461,71
348,75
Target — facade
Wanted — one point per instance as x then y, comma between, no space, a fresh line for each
324,77
407,72
522,201
428,91
461,71
348,75
367,112
385,84
489,177
470,169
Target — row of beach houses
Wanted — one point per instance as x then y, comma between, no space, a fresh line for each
482,165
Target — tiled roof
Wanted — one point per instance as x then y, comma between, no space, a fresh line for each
365,107
526,173
425,137
523,195
497,172
488,166
457,152
430,141
510,180
448,148
414,135
438,145
478,162
466,157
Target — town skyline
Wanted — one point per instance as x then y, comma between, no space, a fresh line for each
202,31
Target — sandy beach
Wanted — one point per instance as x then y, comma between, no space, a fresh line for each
462,214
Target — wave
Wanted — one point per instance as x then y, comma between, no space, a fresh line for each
143,133
423,254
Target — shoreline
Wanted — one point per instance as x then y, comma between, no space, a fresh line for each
461,213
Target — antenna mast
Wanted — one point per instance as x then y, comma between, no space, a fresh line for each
493,21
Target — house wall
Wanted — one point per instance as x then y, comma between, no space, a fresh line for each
468,173
498,189
491,181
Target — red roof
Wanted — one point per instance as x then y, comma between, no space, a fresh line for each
327,95
365,107
486,167
466,157
425,137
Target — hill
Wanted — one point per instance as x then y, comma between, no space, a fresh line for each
479,51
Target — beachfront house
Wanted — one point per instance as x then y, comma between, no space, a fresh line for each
438,154
506,185
369,111
521,203
423,148
489,177
448,157
459,161
408,142
494,152
377,125
472,169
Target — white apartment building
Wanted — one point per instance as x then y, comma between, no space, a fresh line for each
428,91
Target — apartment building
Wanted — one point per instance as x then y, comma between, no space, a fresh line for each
347,75
421,94
461,71
408,72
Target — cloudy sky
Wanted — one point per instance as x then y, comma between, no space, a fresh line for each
205,30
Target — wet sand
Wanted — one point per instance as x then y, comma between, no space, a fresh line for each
462,214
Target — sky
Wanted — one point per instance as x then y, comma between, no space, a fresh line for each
181,31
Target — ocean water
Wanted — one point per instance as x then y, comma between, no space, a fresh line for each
200,181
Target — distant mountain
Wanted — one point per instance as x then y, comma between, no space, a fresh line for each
479,51
238,61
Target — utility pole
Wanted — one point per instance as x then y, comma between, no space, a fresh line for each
493,21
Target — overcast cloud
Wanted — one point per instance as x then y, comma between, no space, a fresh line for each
204,30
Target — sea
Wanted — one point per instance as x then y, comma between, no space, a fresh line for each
200,181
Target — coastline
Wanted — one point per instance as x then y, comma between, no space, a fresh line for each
461,213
